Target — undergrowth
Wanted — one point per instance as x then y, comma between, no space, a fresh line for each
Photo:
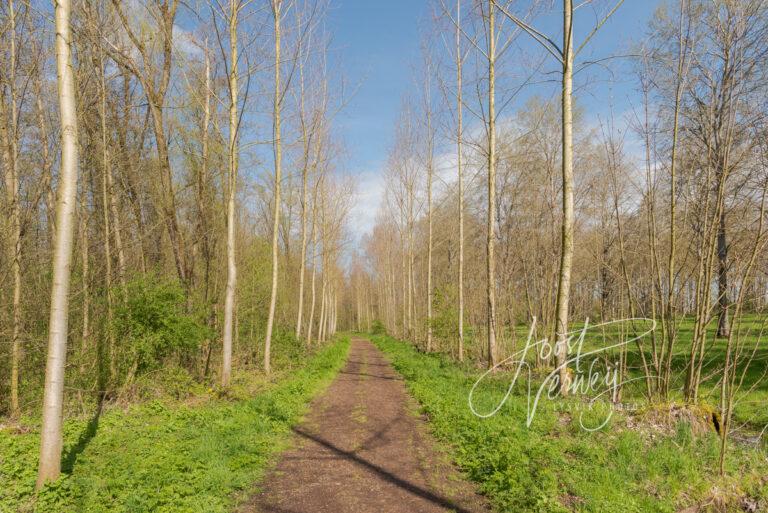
166,456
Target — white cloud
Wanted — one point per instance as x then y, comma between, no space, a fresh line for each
185,42
368,199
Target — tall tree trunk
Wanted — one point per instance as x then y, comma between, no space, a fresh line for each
491,233
53,398
110,200
459,164
304,197
201,195
430,163
86,290
670,306
129,171
169,197
310,324
14,248
229,299
277,107
411,257
9,141
566,237
106,170
323,309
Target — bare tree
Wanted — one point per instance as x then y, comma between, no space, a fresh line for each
234,120
564,55
277,107
9,140
53,399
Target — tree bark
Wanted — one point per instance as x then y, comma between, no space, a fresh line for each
9,141
430,163
491,232
459,164
566,240
229,299
51,438
723,322
277,106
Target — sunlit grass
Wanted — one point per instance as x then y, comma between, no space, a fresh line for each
166,456
555,465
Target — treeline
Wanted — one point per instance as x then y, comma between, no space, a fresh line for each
180,213
503,206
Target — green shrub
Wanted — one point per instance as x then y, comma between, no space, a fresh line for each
377,328
151,325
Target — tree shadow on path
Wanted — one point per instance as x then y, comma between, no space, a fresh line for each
383,473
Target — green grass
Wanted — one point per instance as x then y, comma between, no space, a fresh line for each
750,412
166,456
555,466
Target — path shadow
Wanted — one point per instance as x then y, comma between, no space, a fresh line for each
366,374
370,364
383,473
70,458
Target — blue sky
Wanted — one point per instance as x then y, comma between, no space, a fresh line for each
378,41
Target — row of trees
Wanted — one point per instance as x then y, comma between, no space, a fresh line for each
188,213
554,213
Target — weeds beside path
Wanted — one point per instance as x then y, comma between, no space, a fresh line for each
555,466
168,458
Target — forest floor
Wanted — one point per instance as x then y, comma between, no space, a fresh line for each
363,448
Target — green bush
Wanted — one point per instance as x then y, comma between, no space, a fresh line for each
377,328
151,324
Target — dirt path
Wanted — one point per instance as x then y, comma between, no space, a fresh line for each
362,449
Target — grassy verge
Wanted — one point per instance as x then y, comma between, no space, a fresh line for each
750,412
556,466
166,457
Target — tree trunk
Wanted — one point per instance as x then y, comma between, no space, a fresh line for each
53,398
566,240
8,139
85,263
14,248
314,273
276,4
723,322
491,233
429,215
459,163
169,197
229,299
106,170
109,199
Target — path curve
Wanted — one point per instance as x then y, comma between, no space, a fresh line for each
363,449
